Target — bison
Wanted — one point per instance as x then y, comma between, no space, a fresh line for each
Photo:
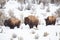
12,22
31,21
51,20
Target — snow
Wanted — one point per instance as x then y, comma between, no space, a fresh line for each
24,32
27,34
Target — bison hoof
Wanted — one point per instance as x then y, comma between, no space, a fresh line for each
31,27
11,27
18,27
25,23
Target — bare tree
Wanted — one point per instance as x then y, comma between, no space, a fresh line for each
58,12
2,3
2,18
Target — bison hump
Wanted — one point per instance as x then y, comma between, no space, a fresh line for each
13,21
33,18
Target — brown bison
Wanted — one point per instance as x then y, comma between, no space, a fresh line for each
31,21
12,22
50,20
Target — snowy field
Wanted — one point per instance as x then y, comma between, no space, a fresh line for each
50,32
15,9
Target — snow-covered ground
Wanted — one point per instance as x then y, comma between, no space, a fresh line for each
43,32
53,33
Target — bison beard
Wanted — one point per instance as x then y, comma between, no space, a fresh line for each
31,21
12,22
50,20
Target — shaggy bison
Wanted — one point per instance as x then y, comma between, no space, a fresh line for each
50,20
12,22
31,21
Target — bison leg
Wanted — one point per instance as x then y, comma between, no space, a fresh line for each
31,26
48,23
26,22
17,26
11,27
54,23
36,26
